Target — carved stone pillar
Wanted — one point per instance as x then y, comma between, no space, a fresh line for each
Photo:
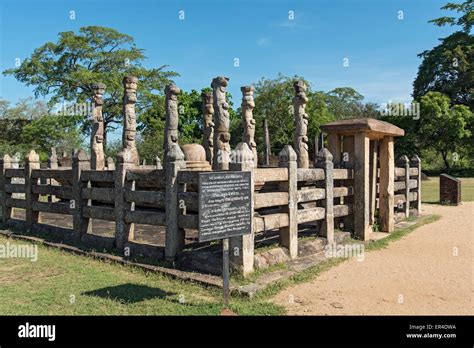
208,113
97,133
172,117
129,117
301,124
248,122
221,157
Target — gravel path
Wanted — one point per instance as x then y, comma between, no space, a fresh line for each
417,275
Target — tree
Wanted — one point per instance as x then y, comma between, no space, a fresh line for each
443,127
66,69
448,68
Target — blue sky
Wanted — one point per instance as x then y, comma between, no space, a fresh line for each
381,49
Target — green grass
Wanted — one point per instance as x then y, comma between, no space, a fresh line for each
47,286
430,190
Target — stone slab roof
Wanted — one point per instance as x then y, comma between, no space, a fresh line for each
370,125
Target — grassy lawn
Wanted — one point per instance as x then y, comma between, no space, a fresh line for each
48,286
430,190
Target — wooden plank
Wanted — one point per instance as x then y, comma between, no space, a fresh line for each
59,174
343,174
342,210
343,191
100,213
145,217
270,222
311,195
270,199
15,203
270,174
311,214
15,188
315,174
55,208
106,195
14,173
154,198
146,175
64,192
97,175
189,221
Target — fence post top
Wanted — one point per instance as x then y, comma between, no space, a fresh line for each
220,81
287,154
130,79
243,152
175,153
246,89
32,156
172,89
415,159
324,155
6,158
80,156
403,160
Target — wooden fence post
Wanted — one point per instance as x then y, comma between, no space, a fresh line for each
31,162
123,231
242,247
174,236
416,162
5,163
82,225
405,163
324,161
287,158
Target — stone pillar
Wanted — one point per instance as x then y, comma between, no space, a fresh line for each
416,162
248,122
361,186
404,162
129,118
172,117
81,225
324,161
374,145
287,158
268,149
110,163
386,185
242,247
123,231
301,124
221,158
159,165
97,133
208,122
5,163
52,164
174,235
31,162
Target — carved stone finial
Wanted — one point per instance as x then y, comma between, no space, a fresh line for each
129,117
7,159
324,155
221,158
415,159
208,114
248,122
159,165
301,124
80,156
32,156
243,153
287,154
125,156
403,160
172,116
175,154
97,133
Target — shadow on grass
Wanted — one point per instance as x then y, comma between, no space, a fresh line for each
129,293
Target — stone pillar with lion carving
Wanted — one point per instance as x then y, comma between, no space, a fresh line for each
301,124
129,118
97,132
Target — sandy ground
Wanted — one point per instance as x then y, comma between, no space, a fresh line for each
417,275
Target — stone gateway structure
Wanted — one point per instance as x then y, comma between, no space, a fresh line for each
352,184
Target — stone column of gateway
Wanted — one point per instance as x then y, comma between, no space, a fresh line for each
129,118
301,124
172,116
208,114
221,158
248,122
97,133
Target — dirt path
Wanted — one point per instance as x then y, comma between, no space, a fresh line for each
417,275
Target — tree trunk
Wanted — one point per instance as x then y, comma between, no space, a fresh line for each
446,162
